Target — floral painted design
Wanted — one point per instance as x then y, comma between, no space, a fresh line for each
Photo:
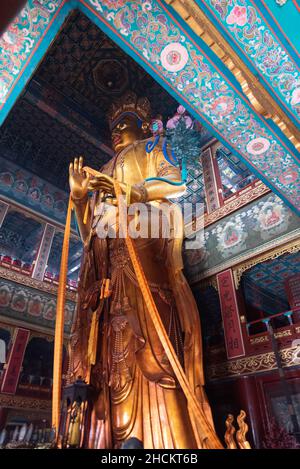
288,176
258,146
174,57
295,97
238,15
223,105
113,4
244,22
18,41
12,39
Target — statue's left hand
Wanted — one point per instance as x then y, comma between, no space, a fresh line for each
105,183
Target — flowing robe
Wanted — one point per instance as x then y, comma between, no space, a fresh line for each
136,392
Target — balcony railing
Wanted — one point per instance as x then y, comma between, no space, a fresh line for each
286,326
25,268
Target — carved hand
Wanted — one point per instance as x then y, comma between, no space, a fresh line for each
105,183
78,180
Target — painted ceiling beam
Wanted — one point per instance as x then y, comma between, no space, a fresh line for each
284,20
244,26
202,84
63,110
250,83
165,46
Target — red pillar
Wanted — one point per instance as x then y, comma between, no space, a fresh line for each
233,336
15,359
248,399
3,415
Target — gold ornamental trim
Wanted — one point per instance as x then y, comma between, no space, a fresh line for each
209,282
20,402
17,277
293,246
254,90
255,364
280,334
264,338
259,340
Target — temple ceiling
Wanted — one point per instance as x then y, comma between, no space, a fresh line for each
62,112
154,36
259,42
264,284
87,67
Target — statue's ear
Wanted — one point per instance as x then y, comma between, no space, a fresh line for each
145,127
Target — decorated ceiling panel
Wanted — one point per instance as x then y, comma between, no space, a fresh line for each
75,252
183,64
89,69
20,237
51,145
264,284
255,38
235,175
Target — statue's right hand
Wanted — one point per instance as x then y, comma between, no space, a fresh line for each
78,180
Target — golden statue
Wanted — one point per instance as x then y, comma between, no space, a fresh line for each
116,347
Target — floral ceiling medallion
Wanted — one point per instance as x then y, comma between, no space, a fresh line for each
174,57
281,2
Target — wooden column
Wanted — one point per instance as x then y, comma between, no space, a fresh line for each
3,211
247,395
42,257
212,180
230,314
15,360
3,415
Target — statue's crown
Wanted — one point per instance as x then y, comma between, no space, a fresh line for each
129,104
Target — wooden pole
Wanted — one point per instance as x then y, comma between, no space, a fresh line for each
59,324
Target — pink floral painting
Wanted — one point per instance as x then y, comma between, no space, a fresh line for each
295,97
238,15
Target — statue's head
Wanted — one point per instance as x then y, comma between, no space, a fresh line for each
129,120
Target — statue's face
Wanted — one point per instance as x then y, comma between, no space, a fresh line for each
126,132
